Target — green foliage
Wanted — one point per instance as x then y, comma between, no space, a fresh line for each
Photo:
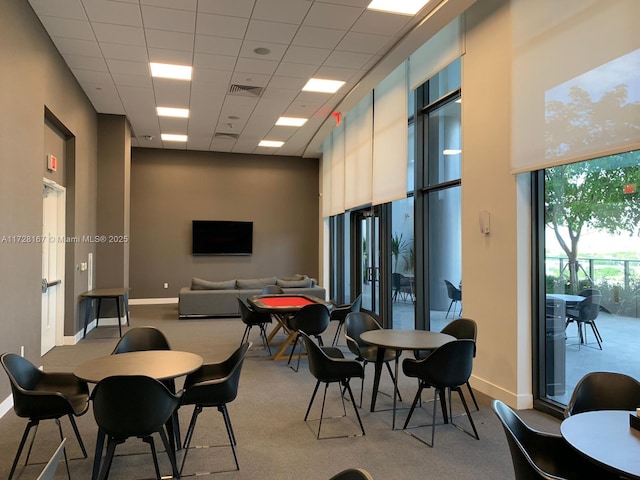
398,247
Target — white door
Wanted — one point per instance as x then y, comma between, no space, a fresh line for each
52,266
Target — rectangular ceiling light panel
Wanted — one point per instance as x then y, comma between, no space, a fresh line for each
173,112
165,70
322,85
404,7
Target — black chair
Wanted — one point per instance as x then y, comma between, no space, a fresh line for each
604,391
328,365
272,290
446,369
352,474
140,339
540,455
214,385
251,319
39,395
313,319
132,406
401,287
455,294
49,470
460,328
339,313
585,313
356,324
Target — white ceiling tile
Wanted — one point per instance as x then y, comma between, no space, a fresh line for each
113,12
249,47
308,55
252,79
287,11
123,34
379,23
124,52
69,28
125,66
352,60
234,8
249,65
298,70
273,32
126,80
71,9
86,63
217,45
70,46
198,142
353,3
220,62
169,19
138,99
171,93
222,144
327,15
173,125
189,5
169,40
336,73
104,99
93,77
176,57
284,94
221,25
318,37
363,42
303,108
292,83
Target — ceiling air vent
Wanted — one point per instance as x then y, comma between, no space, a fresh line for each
245,90
231,136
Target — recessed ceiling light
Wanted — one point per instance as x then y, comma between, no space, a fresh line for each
322,85
165,70
173,112
172,137
451,151
270,143
291,121
261,51
405,7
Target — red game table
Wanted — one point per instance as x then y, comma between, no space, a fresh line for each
281,305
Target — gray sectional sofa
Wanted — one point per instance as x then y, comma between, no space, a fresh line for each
219,299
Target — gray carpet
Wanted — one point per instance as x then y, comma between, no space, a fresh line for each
273,440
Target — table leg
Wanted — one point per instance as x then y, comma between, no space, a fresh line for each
125,301
395,389
98,312
281,351
87,314
119,320
376,378
98,454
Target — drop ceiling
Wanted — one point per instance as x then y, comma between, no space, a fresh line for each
250,60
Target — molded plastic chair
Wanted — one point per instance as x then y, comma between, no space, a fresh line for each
455,294
214,385
251,319
356,324
132,406
339,314
604,391
461,328
328,365
401,286
446,369
540,455
313,319
39,395
585,313
352,474
272,290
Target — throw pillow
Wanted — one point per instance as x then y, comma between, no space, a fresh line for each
305,283
200,284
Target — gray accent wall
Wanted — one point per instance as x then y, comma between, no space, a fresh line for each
35,81
170,188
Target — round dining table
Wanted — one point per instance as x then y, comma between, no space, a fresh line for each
399,340
606,438
158,364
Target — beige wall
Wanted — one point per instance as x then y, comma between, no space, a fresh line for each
35,78
170,188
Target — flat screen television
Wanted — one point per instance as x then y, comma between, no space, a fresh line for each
222,237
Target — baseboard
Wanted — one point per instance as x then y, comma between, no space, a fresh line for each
152,301
520,402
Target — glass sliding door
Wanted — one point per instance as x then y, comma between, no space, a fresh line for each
366,227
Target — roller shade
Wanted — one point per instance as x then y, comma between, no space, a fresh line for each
358,134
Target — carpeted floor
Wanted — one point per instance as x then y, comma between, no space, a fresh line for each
273,440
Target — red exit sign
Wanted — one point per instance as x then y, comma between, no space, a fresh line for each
629,188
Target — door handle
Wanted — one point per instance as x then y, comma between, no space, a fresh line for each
46,284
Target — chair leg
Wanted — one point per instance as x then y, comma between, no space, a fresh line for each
596,333
25,434
106,465
295,344
393,380
448,309
77,432
245,335
152,446
170,453
187,439
353,402
473,397
313,396
413,405
337,334
232,438
64,451
466,409
265,340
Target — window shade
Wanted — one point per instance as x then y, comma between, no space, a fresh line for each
337,171
575,81
358,133
390,137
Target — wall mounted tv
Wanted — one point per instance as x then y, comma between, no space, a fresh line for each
222,237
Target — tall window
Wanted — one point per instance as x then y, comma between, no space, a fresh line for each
591,272
438,197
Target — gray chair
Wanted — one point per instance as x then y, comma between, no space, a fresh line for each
313,319
585,313
539,455
339,313
604,391
251,319
455,294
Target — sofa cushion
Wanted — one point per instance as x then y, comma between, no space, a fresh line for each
304,283
200,284
253,283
